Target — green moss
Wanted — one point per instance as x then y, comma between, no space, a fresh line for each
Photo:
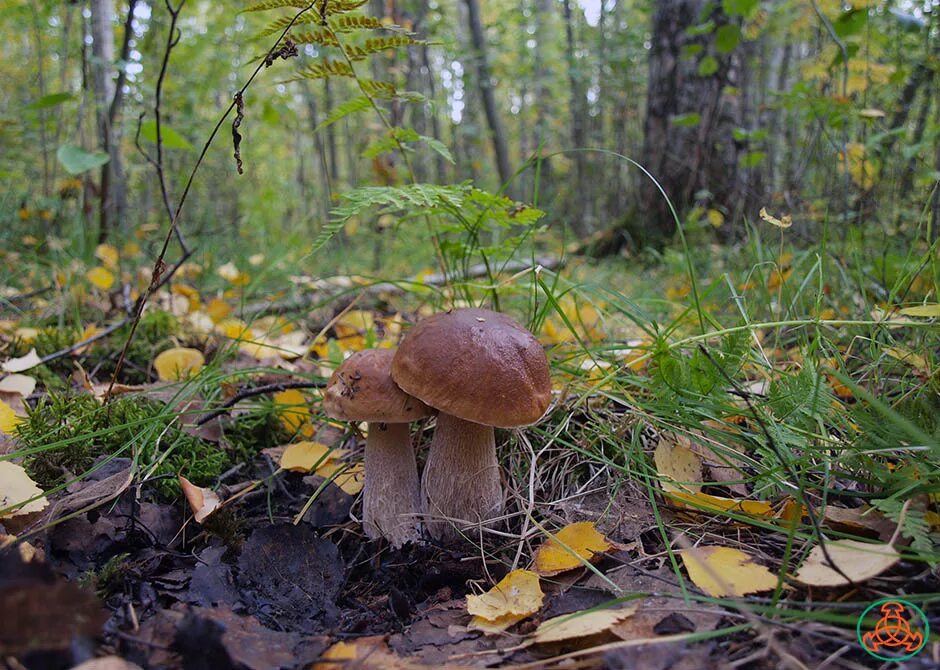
67,432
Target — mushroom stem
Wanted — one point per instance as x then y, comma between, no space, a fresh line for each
391,497
461,478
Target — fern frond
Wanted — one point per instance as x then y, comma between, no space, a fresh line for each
321,37
324,70
345,23
378,44
412,197
352,106
332,6
349,22
268,5
377,89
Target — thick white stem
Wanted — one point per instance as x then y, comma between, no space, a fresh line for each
391,498
461,478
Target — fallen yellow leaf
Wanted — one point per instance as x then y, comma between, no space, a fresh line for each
15,489
292,410
178,363
518,593
860,561
100,278
580,624
926,311
218,309
8,418
304,456
570,548
914,360
678,464
350,480
723,571
710,503
107,254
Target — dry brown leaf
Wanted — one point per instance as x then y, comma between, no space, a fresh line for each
860,561
723,571
202,501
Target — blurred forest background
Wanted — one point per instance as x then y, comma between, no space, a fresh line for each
823,110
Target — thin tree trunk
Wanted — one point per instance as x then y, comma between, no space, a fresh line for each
584,206
485,80
113,192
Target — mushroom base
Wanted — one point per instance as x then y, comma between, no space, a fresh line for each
461,483
391,496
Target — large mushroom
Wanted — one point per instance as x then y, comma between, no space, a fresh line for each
361,389
479,369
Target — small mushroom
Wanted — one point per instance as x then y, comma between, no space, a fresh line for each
361,389
479,369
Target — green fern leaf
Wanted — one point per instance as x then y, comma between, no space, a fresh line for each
352,106
321,37
324,70
345,23
379,44
268,5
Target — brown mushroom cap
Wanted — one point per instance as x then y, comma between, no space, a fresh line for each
361,389
477,365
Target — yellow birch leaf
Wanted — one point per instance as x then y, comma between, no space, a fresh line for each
926,311
218,310
350,480
202,501
108,255
580,624
292,410
909,357
15,488
178,363
304,456
22,363
570,548
518,593
723,571
90,331
496,626
8,418
860,561
679,464
100,278
353,322
715,218
710,503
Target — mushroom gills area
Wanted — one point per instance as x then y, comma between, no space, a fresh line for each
391,496
461,477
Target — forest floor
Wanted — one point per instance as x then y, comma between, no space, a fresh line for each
731,473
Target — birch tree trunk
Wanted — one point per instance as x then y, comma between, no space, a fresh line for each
113,191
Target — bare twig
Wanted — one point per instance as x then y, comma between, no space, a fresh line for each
157,277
